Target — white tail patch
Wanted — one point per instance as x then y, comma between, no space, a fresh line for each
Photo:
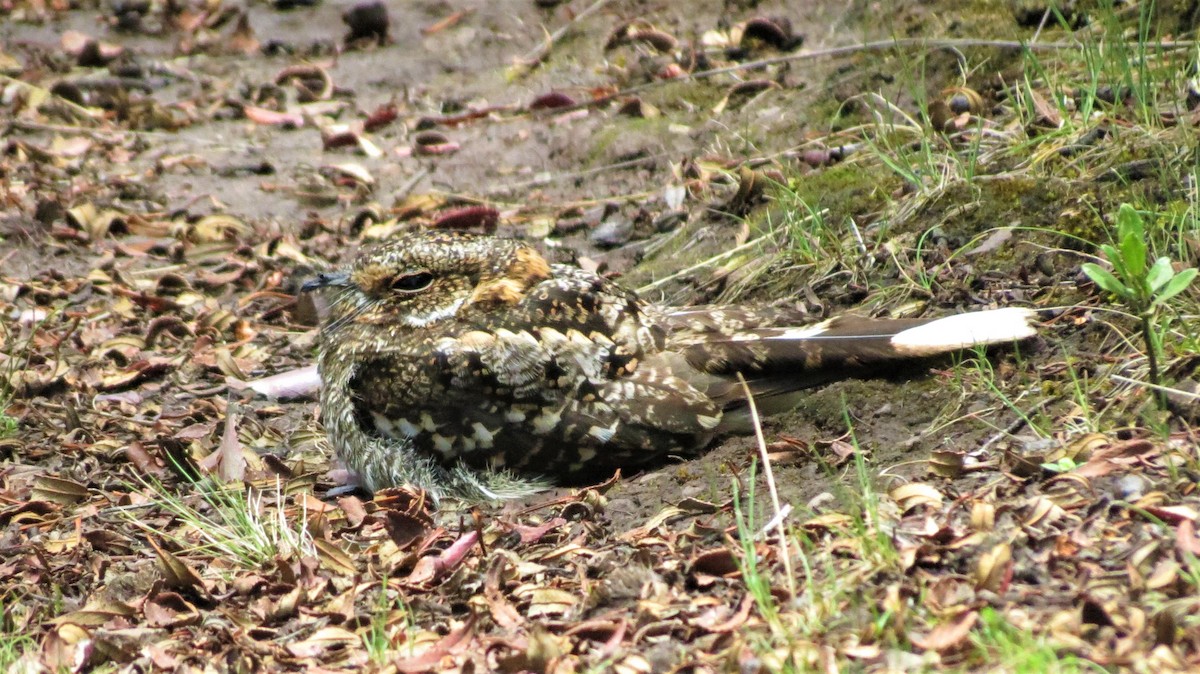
963,331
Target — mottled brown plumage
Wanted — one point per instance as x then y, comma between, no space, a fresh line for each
468,366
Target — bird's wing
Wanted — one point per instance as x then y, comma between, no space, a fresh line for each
538,400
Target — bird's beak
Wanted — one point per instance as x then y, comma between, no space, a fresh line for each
324,280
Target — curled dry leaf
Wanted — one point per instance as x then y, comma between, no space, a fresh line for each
58,490
334,557
1046,115
450,21
311,81
288,120
338,135
431,660
548,601
483,218
177,573
775,32
750,87
431,568
1172,515
502,610
912,495
1043,511
228,462
217,228
947,463
983,516
381,117
716,562
405,529
532,534
350,173
433,143
636,107
303,381
551,101
94,222
948,635
324,640
671,71
994,569
170,609
660,40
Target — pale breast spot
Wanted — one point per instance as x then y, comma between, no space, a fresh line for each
483,435
514,416
428,423
551,337
602,433
407,428
383,424
547,421
413,320
443,444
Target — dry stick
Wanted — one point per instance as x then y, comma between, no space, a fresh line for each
538,55
780,513
1158,388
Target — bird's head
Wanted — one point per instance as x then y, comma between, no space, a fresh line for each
425,277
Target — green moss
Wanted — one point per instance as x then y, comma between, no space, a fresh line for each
624,136
702,95
847,189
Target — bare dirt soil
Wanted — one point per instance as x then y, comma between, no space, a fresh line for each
173,172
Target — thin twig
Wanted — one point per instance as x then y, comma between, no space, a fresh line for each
536,56
1158,388
780,514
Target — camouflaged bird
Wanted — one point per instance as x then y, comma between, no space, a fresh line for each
470,367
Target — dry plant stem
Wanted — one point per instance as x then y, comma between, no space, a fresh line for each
780,515
538,55
1157,388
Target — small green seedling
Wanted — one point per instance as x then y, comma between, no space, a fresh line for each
1143,287
1064,465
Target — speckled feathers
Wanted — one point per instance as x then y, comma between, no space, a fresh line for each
469,366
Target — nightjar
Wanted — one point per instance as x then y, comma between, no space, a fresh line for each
470,367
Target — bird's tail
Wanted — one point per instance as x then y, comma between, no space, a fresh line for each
780,360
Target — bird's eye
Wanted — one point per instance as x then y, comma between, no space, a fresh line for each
412,283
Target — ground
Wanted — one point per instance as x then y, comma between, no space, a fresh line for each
173,172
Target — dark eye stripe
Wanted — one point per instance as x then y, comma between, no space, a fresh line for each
412,283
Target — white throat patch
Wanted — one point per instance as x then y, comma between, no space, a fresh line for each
422,320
